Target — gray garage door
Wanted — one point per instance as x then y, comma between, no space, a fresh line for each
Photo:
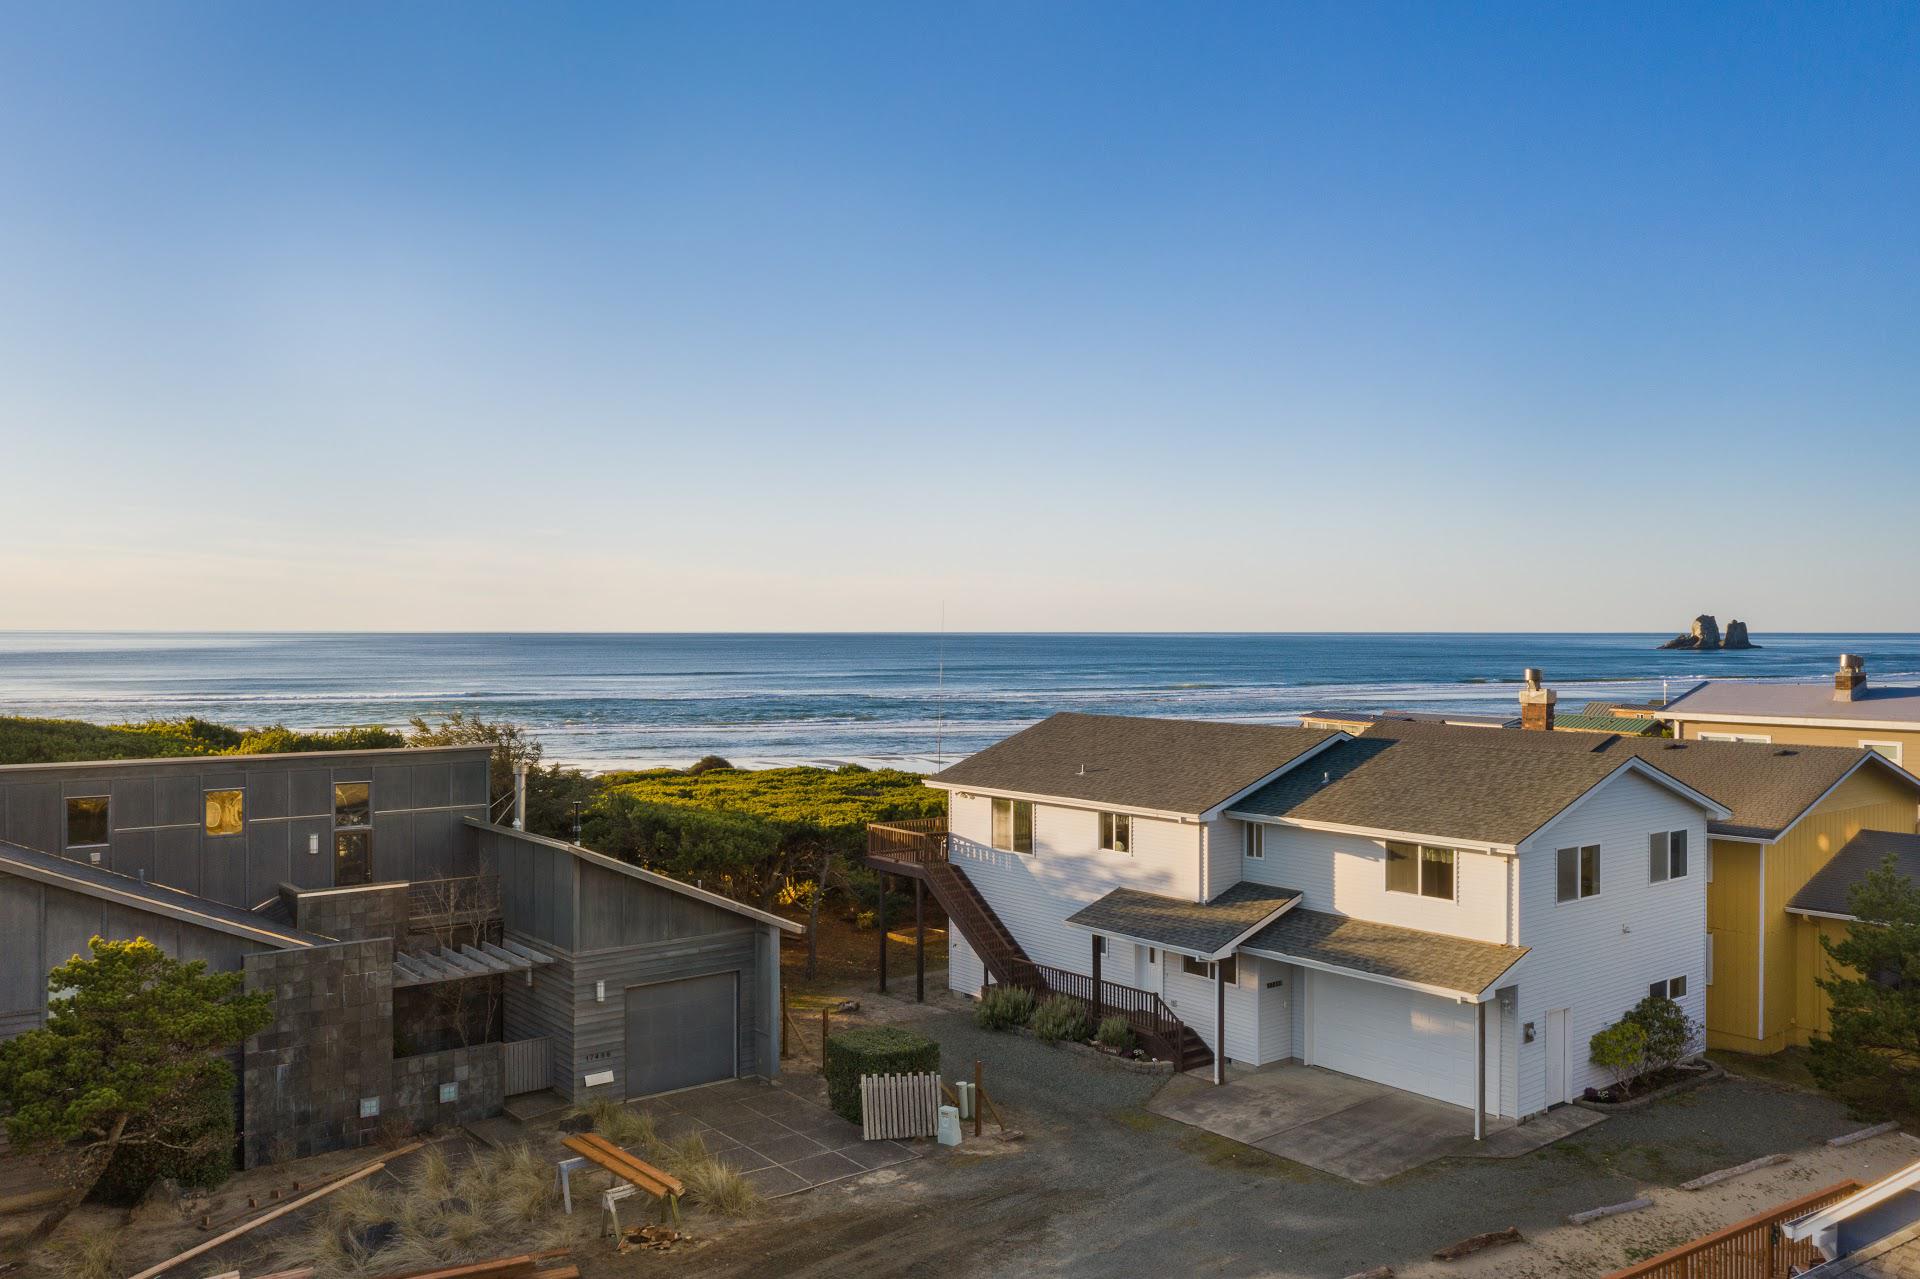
681,1033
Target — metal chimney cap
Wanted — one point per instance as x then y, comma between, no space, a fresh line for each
1852,662
1533,677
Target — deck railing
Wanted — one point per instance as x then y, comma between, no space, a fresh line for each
913,839
1750,1249
1152,1021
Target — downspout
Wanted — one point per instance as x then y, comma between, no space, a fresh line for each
1480,1070
1760,1002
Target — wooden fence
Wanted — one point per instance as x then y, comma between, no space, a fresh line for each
1750,1249
899,1106
524,1066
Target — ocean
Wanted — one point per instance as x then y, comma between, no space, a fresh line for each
910,700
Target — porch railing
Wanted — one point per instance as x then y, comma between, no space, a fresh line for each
1148,1015
1750,1249
913,839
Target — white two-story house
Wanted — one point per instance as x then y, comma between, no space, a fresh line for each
1450,920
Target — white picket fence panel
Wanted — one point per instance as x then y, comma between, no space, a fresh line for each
899,1106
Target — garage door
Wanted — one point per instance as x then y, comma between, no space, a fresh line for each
681,1033
1392,1036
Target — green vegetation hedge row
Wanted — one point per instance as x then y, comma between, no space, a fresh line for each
1115,1033
57,741
874,1050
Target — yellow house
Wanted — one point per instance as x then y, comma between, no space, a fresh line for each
1793,809
1841,712
1822,909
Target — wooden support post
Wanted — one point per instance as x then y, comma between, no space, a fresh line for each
919,941
1219,1022
881,916
1099,945
977,1095
823,1040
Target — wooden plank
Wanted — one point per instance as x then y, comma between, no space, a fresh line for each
660,1175
164,1266
625,1169
514,1267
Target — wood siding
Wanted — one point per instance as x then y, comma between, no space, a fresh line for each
1347,875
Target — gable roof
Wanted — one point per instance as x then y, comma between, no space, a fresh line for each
1181,766
138,894
1448,787
1827,893
592,858
1205,930
1808,702
1767,787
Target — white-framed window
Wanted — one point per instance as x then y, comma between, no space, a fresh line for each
1671,988
1421,869
1013,825
1666,855
1116,832
1890,749
1229,968
1579,873
1255,845
1762,738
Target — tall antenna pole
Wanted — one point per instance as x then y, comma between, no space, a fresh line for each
940,696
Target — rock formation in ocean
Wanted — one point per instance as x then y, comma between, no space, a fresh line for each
1706,634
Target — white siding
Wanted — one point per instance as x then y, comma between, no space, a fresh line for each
1034,893
1225,844
964,971
1596,957
1276,1009
1191,999
1347,875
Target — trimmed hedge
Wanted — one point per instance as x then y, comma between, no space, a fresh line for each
873,1050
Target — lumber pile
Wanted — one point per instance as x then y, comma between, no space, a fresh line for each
527,1265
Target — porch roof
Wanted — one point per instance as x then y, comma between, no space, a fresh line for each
1384,952
443,963
1829,891
1205,930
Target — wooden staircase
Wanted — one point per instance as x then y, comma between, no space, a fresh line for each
968,911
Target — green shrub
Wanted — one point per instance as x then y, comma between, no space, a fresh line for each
1621,1051
874,1050
1003,1008
1115,1033
865,920
1062,1017
1672,1036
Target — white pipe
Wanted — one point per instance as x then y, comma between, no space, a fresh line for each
520,797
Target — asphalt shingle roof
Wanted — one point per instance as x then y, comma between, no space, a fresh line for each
94,881
1171,765
1827,891
1199,928
1384,950
1447,787
1768,787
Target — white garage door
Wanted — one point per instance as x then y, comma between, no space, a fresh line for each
1397,1037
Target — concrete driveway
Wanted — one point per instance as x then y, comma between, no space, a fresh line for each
1362,1131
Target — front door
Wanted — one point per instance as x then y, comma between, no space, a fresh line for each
1557,1057
1143,963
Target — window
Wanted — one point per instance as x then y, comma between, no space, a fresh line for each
369,1107
1255,845
1420,869
352,804
1671,988
225,812
86,821
449,1093
1013,825
1735,737
1667,855
1579,872
1890,749
1116,832
1229,968
352,833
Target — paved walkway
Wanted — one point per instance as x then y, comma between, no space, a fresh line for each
1362,1131
780,1143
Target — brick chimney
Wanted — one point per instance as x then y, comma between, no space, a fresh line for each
1536,703
1850,681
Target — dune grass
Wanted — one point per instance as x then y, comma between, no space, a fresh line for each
710,1183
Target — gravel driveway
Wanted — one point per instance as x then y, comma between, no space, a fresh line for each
1102,1187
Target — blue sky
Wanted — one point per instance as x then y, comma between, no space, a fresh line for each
1116,317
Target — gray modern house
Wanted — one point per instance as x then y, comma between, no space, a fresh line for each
425,963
